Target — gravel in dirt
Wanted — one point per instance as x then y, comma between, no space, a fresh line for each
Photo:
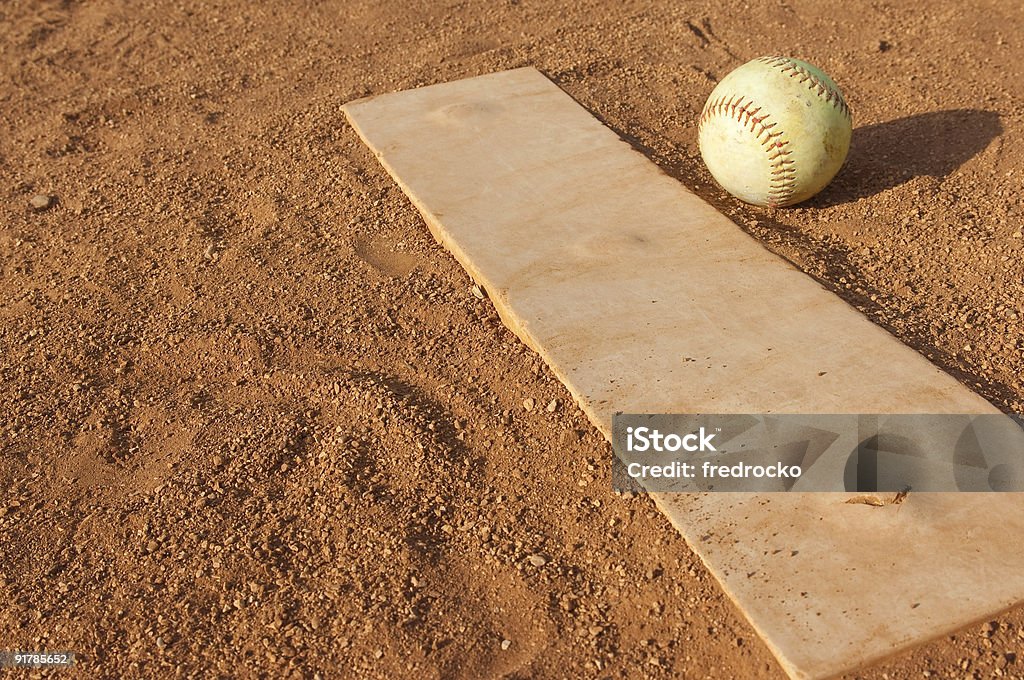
257,423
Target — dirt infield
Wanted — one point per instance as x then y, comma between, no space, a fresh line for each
255,419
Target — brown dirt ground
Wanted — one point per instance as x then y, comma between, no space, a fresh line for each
255,424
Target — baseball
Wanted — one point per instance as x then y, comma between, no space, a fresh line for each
775,131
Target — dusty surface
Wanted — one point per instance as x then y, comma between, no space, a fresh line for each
254,419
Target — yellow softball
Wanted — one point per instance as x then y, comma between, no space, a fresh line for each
775,131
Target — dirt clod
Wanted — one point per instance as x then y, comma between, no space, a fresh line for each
41,202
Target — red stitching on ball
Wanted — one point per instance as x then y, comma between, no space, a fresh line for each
735,108
830,94
782,184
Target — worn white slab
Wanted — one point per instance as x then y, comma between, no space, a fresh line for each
643,298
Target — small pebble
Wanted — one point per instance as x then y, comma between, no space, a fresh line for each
478,292
553,406
537,560
41,202
505,644
528,404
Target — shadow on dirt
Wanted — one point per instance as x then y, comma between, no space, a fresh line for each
886,155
